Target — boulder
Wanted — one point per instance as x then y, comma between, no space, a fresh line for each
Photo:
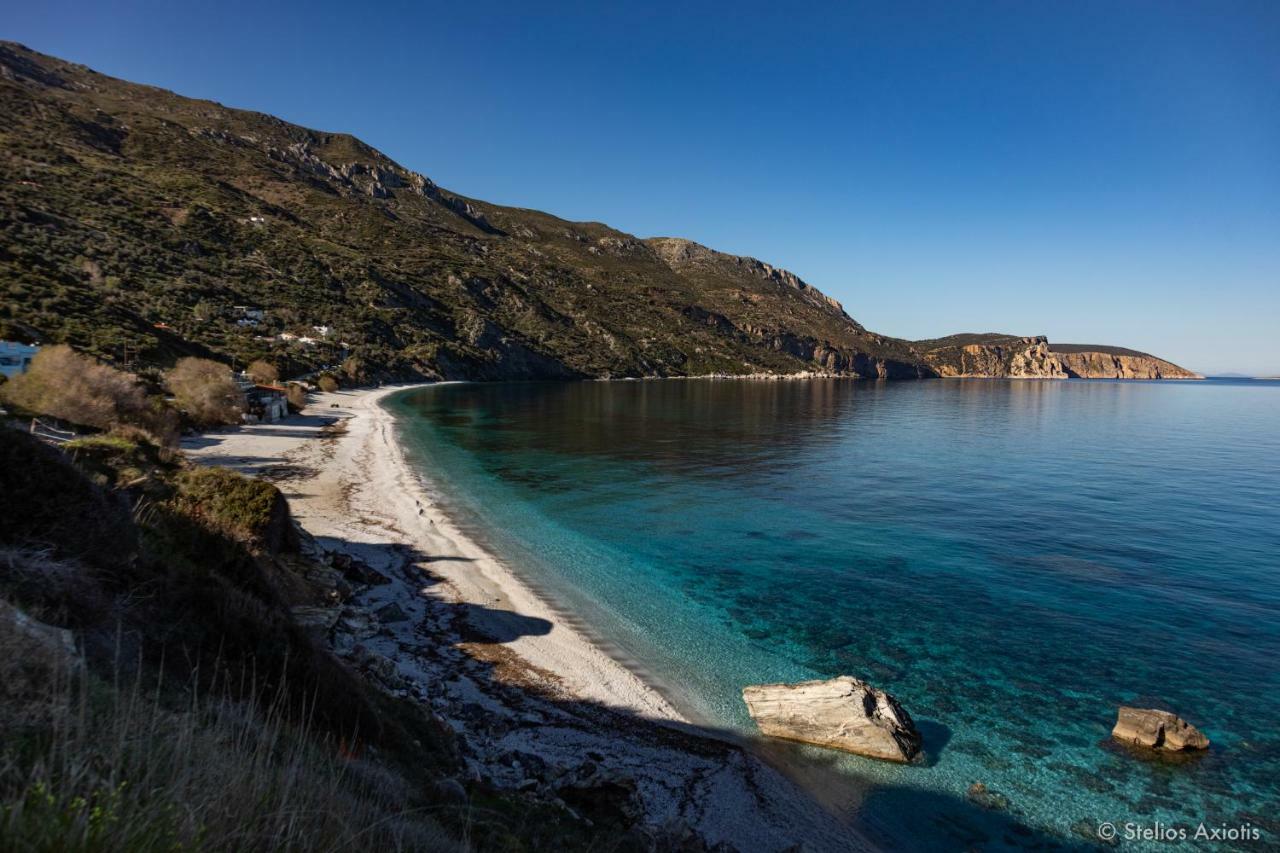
390,613
358,571
843,713
1157,730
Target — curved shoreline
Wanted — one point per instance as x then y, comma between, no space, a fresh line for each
568,651
349,484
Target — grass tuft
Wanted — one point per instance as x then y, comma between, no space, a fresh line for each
88,765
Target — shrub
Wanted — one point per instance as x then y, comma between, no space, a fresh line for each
248,510
63,384
206,391
353,368
327,384
297,396
263,372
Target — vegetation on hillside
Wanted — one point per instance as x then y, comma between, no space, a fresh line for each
142,227
77,390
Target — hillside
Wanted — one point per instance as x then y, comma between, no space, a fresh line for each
141,225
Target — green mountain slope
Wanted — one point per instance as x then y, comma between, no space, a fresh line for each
141,225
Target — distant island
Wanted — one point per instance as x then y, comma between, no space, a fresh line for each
144,226
1242,376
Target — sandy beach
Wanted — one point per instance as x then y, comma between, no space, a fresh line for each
453,627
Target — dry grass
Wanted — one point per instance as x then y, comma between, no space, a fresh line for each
63,384
92,766
71,387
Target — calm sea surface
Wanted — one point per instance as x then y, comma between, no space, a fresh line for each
1012,560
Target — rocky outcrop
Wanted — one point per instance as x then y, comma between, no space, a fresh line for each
1157,730
1101,364
844,713
680,254
56,642
1009,357
1005,357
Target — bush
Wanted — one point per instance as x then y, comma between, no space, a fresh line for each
249,510
63,384
297,396
206,391
327,384
263,373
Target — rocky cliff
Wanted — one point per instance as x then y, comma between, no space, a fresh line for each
1008,356
1088,361
993,356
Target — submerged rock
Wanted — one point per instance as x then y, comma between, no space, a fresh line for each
843,713
981,795
1157,730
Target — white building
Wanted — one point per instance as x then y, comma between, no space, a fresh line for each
15,357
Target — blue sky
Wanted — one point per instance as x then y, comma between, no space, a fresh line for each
1100,172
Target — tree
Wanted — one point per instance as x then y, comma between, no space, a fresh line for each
327,384
353,367
206,391
263,373
64,384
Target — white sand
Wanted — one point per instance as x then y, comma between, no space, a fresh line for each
362,491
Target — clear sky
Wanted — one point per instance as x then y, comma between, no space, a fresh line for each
1100,172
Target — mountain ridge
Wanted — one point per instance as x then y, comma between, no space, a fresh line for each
141,225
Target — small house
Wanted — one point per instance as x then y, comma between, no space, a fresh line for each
16,357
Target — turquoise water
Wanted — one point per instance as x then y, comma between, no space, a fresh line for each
1012,560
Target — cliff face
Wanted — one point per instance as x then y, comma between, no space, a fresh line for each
1003,357
1101,364
1006,356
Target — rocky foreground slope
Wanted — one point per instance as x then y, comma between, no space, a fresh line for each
140,225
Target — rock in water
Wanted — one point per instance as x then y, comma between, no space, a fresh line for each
1157,730
843,713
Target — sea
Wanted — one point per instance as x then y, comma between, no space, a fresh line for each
1012,560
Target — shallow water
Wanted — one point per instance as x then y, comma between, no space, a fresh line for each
1012,560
